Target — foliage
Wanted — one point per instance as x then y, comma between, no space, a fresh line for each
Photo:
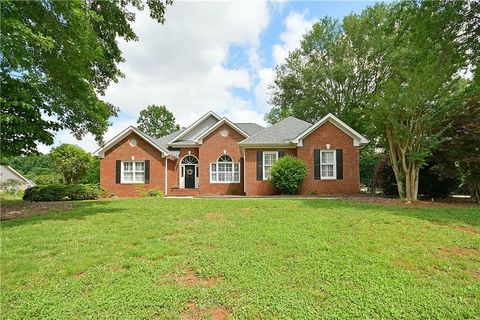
387,72
72,161
287,174
157,121
154,192
369,159
93,174
461,139
57,57
58,192
376,256
384,178
438,179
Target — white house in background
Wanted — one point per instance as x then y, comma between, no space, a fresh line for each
8,173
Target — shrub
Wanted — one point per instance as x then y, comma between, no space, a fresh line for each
287,174
155,193
438,179
369,160
57,192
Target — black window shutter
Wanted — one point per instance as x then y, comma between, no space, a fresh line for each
316,164
281,153
118,171
339,164
259,165
147,171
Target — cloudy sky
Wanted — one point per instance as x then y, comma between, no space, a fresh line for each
217,56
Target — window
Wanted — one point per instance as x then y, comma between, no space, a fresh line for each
327,164
133,171
224,170
269,158
189,160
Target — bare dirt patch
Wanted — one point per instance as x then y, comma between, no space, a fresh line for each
214,216
468,229
193,312
21,209
459,251
190,278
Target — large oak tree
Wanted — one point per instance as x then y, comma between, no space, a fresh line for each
57,57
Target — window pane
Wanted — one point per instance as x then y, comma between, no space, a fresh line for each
221,167
327,171
228,177
267,172
221,176
213,167
213,176
228,167
236,177
139,166
327,157
128,176
236,167
139,177
127,166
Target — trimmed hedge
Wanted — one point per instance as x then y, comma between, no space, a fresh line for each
287,174
58,192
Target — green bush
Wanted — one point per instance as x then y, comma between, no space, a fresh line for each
58,192
287,174
154,193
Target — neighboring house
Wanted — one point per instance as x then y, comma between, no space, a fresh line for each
215,156
8,173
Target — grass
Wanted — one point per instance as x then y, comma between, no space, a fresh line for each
256,259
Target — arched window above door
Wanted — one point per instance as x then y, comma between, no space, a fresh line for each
189,160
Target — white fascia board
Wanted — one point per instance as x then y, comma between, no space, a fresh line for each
101,151
20,176
202,135
358,139
193,125
267,145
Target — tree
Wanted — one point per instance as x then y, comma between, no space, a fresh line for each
157,121
72,161
424,60
57,57
288,174
335,70
387,72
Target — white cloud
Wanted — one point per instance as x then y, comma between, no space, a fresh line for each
266,76
183,64
296,25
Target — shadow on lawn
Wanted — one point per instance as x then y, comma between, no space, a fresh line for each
469,216
79,212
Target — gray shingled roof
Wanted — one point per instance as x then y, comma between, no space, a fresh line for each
163,141
281,132
250,128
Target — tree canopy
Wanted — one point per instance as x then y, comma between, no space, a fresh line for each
387,72
72,161
57,58
157,121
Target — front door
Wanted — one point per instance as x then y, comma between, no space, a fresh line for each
190,176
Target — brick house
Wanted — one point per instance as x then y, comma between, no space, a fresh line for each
215,156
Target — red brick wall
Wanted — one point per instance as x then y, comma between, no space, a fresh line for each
256,187
123,151
330,134
209,151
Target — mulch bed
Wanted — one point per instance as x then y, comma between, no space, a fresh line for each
21,209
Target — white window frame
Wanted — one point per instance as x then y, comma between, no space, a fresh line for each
334,177
216,172
270,165
134,172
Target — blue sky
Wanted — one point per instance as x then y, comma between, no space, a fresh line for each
217,56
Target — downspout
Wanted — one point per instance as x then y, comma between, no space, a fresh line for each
244,175
166,176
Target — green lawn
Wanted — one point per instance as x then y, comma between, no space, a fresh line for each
249,258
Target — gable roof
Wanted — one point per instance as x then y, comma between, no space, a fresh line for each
194,125
358,139
283,132
198,139
100,152
250,128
